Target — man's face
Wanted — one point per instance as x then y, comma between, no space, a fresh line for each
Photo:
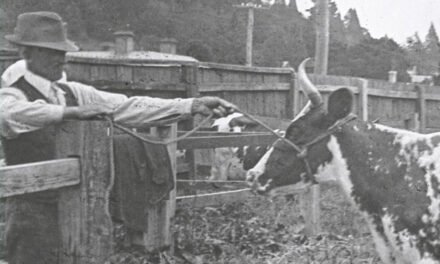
47,63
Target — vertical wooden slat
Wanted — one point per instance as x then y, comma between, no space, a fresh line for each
363,99
124,73
421,107
296,99
311,209
161,215
290,106
190,76
191,79
84,219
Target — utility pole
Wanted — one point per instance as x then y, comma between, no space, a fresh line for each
322,37
250,28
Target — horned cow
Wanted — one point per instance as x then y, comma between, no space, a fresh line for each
391,175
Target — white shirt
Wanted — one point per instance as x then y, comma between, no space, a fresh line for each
18,115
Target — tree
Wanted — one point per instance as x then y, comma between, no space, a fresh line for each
432,51
354,31
199,50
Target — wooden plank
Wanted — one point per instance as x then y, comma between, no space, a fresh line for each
210,133
290,112
124,73
363,99
331,88
310,207
231,67
433,117
124,85
243,86
296,98
421,107
191,76
401,94
127,61
206,185
161,215
201,142
38,176
84,218
213,199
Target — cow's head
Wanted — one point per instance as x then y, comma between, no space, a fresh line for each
282,167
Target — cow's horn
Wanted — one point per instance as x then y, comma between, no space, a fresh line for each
307,86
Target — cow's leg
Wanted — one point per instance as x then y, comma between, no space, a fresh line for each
220,167
383,248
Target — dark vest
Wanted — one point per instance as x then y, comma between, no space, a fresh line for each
38,145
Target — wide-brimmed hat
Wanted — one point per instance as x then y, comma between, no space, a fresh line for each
41,29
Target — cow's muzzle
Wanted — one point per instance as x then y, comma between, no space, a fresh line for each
253,179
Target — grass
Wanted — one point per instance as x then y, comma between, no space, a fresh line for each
264,231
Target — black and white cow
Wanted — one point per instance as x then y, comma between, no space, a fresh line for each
391,175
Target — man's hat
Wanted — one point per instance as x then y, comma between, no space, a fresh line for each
41,29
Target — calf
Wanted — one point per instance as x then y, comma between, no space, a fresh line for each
392,176
231,163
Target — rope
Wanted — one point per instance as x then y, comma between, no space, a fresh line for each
163,142
298,149
211,181
112,164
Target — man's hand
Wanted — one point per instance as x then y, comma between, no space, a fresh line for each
86,111
210,104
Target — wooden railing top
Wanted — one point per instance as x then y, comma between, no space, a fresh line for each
142,58
242,68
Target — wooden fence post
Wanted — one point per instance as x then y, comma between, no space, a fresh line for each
421,108
290,106
161,215
363,99
84,218
310,207
190,76
296,97
191,79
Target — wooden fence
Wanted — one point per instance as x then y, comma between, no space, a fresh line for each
269,92
83,173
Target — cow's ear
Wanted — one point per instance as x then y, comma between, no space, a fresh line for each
340,103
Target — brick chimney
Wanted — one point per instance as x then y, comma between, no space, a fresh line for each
392,76
168,45
124,42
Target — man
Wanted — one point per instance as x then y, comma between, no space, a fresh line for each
15,71
39,99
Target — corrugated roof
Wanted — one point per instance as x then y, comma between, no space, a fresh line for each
132,57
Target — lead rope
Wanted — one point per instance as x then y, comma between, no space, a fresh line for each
302,152
163,142
110,133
